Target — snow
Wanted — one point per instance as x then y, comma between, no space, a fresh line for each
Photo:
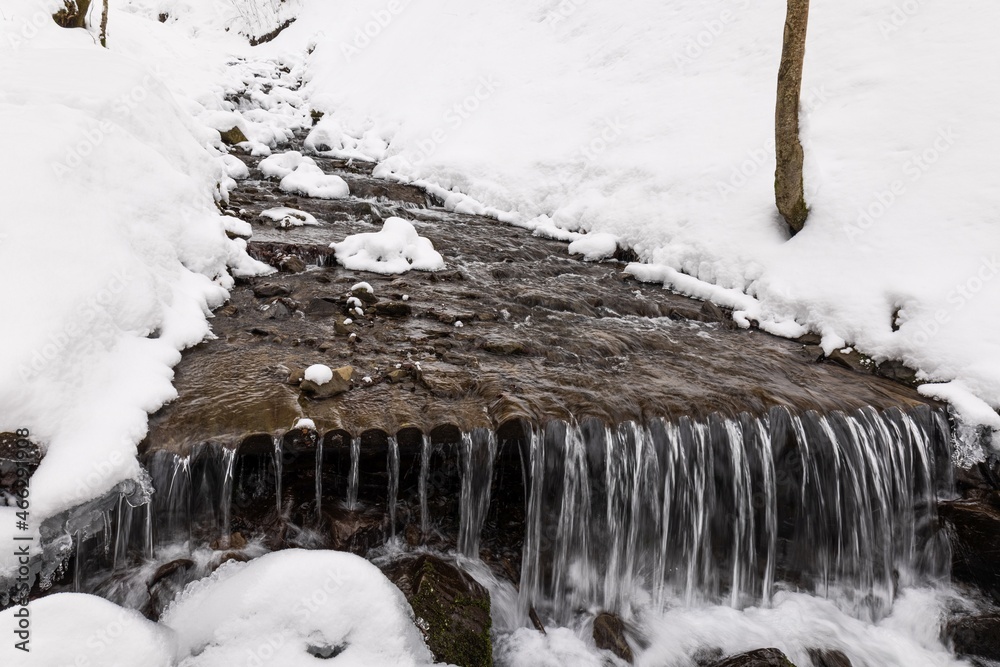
286,217
363,285
318,373
280,165
75,629
112,236
594,247
306,424
278,606
397,248
311,181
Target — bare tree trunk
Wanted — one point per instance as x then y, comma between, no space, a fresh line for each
104,25
73,14
788,191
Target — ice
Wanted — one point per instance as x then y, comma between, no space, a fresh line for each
318,373
397,248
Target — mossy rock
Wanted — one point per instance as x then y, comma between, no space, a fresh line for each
233,136
452,609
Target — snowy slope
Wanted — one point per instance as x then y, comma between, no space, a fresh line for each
653,122
113,250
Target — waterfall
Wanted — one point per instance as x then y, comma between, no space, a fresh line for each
425,473
319,481
278,456
393,465
720,511
478,450
226,492
352,483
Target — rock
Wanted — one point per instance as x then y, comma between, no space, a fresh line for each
810,339
340,328
228,311
452,609
762,657
609,635
707,656
270,290
829,658
711,312
234,541
973,526
334,387
506,348
292,264
976,636
393,309
397,376
168,569
852,361
345,373
364,296
898,371
322,307
326,346
296,376
280,309
233,136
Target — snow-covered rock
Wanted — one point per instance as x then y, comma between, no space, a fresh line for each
397,248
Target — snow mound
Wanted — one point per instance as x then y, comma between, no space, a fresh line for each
273,610
318,373
396,249
595,247
279,165
77,629
286,217
310,181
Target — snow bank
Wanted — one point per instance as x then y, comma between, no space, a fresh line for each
396,249
655,124
112,250
278,607
76,629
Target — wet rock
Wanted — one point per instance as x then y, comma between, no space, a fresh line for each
234,541
339,384
230,310
609,635
452,609
898,371
364,296
707,656
711,312
973,526
322,307
296,376
763,657
397,376
280,310
852,360
829,658
292,264
270,290
233,136
169,569
393,309
810,339
975,636
505,348
341,328
355,531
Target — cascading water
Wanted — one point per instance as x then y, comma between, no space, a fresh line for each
478,450
425,471
354,475
392,465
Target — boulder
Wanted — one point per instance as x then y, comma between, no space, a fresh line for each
829,658
233,136
393,309
973,526
452,609
762,657
270,290
975,636
609,635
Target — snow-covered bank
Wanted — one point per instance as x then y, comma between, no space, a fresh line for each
112,247
654,123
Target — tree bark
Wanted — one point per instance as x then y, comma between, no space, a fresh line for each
104,25
73,14
788,189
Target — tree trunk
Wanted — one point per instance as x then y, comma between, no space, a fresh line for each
788,192
104,25
73,14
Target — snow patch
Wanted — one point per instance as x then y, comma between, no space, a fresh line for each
397,248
